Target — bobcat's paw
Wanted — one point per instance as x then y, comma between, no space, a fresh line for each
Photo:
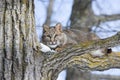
45,49
58,49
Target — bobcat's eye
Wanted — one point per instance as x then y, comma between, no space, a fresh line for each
48,36
56,35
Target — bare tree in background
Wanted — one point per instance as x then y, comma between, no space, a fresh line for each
49,12
76,74
20,55
83,17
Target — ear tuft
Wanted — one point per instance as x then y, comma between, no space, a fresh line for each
58,27
45,28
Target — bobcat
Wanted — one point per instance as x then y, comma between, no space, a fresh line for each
57,39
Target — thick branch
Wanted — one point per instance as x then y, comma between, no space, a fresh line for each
75,56
105,18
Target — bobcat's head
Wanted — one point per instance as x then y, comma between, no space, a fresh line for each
52,36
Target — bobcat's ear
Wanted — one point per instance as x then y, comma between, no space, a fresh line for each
58,27
45,28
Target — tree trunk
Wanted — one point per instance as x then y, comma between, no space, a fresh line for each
18,41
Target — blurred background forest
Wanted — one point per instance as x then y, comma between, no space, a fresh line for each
99,16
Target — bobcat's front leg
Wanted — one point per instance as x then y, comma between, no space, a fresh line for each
60,48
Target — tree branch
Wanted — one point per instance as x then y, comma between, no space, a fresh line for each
77,55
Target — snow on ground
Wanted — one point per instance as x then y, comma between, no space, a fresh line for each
108,72
62,75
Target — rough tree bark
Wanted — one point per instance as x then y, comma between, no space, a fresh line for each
20,56
18,41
